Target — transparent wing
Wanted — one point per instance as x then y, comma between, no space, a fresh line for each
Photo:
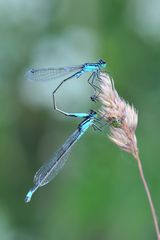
51,168
44,74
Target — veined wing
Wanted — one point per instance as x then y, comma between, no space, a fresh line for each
51,168
44,74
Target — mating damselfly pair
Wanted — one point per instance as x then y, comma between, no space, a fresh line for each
52,167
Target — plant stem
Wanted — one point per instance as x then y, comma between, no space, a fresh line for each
153,212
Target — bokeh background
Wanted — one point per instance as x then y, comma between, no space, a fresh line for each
98,195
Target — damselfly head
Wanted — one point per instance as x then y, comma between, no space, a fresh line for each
102,63
92,113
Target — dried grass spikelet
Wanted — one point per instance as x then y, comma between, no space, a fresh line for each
122,117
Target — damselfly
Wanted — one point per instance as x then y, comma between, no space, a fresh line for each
44,74
51,168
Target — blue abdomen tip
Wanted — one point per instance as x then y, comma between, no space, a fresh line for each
28,197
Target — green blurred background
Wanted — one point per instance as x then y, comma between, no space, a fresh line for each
98,195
